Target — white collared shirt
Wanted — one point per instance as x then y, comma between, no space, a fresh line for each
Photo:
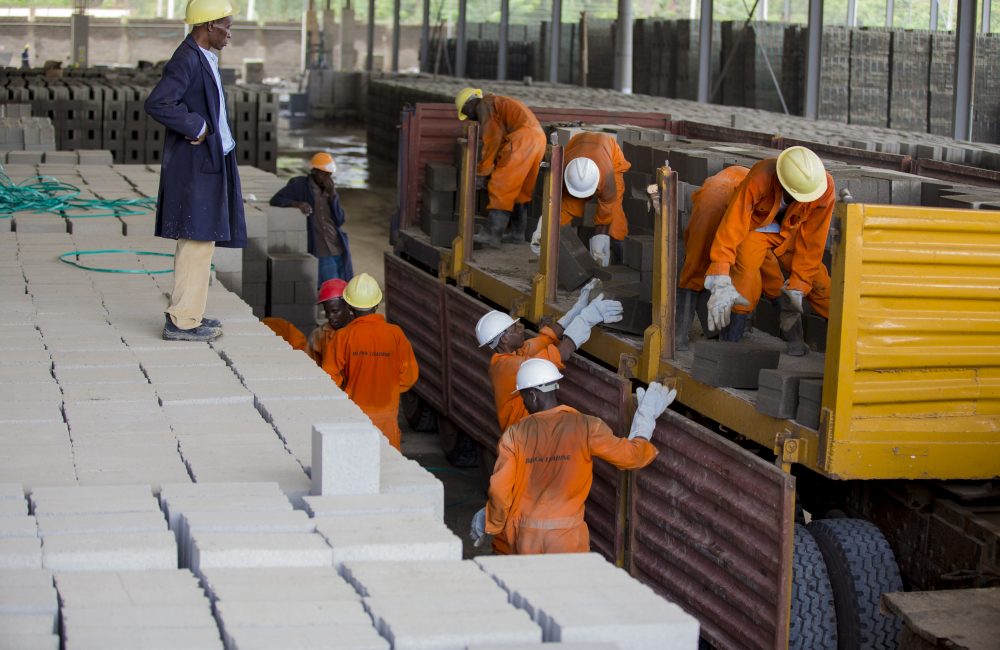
228,144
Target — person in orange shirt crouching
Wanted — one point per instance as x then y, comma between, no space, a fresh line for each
372,360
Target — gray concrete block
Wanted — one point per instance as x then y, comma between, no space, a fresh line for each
82,589
175,505
778,391
26,625
110,552
368,504
284,219
18,527
35,599
345,459
20,553
376,579
13,508
119,522
164,638
29,642
639,252
282,584
237,614
388,538
211,550
410,478
504,626
810,402
307,637
736,365
440,177
576,266
196,615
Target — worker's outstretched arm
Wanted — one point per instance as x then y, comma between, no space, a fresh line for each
286,196
610,214
623,453
501,492
811,241
165,104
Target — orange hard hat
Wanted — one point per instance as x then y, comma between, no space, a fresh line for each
331,289
323,162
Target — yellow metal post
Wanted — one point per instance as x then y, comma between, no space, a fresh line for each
545,283
658,339
462,245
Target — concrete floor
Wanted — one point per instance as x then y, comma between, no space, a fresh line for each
368,193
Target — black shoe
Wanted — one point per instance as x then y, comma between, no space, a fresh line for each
211,322
518,225
497,221
733,332
201,334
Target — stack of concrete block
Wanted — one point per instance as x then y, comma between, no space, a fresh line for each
228,263
29,609
438,217
20,546
282,607
438,604
292,285
286,230
254,276
582,598
399,475
104,528
112,610
778,391
34,134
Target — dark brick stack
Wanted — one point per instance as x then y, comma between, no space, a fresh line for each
942,80
835,74
869,58
909,63
986,103
438,217
793,61
748,81
684,51
601,54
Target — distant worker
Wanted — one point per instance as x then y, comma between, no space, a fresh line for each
338,315
26,57
286,330
200,203
545,465
371,359
594,168
315,195
783,207
513,145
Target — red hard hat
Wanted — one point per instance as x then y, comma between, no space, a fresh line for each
331,289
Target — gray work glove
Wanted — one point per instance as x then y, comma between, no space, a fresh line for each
602,311
582,301
600,249
478,527
653,401
724,296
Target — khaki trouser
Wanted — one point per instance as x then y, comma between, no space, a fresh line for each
192,271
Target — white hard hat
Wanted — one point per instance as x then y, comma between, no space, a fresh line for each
540,374
491,326
582,177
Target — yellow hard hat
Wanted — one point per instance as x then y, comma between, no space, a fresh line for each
323,162
362,292
463,96
802,174
205,11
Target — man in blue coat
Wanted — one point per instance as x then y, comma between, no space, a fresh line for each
200,202
316,196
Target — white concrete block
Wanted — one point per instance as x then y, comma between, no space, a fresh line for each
282,521
93,504
430,605
163,375
503,627
275,613
119,522
18,527
26,624
399,479
29,642
28,600
198,615
82,589
212,490
174,357
107,393
196,393
13,508
177,505
172,638
345,459
388,538
418,577
282,584
110,552
210,550
130,374
20,553
296,389
31,412
548,646
368,504
311,637
84,359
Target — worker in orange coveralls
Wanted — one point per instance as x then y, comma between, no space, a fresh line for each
338,315
595,167
545,465
512,148
782,207
371,359
287,331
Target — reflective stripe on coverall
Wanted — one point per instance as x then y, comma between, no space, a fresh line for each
373,362
287,331
603,149
739,250
513,145
543,475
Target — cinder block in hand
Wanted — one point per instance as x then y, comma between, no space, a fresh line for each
734,365
637,314
778,391
346,458
810,402
440,178
639,252
576,266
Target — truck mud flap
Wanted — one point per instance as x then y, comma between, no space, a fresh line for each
711,529
415,302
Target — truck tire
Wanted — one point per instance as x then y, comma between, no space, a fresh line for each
458,447
862,567
418,413
814,619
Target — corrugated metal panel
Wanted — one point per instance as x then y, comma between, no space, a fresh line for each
415,302
913,372
711,529
593,390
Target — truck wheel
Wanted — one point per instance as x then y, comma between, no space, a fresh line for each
419,414
814,619
862,567
458,447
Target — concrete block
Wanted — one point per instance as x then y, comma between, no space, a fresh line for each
13,508
548,646
195,615
639,252
637,313
20,553
29,642
236,614
388,538
284,521
432,577
18,527
120,522
26,625
778,391
410,478
307,637
286,219
110,552
443,232
503,626
437,203
440,177
157,638
82,589
368,504
345,459
282,584
175,505
736,365
576,266
211,550
197,393
810,402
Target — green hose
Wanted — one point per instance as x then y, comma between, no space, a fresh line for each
78,254
49,195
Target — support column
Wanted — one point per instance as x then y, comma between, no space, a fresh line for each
502,38
965,69
460,46
79,39
395,36
986,16
890,11
425,38
814,48
555,29
705,52
786,11
370,56
623,47
852,13
934,15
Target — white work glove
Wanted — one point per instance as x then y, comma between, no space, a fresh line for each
581,301
794,297
724,296
578,331
600,249
478,528
653,401
790,306
536,239
602,311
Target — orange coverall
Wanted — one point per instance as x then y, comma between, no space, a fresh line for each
603,149
544,472
373,362
513,145
287,331
739,250
503,374
319,340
